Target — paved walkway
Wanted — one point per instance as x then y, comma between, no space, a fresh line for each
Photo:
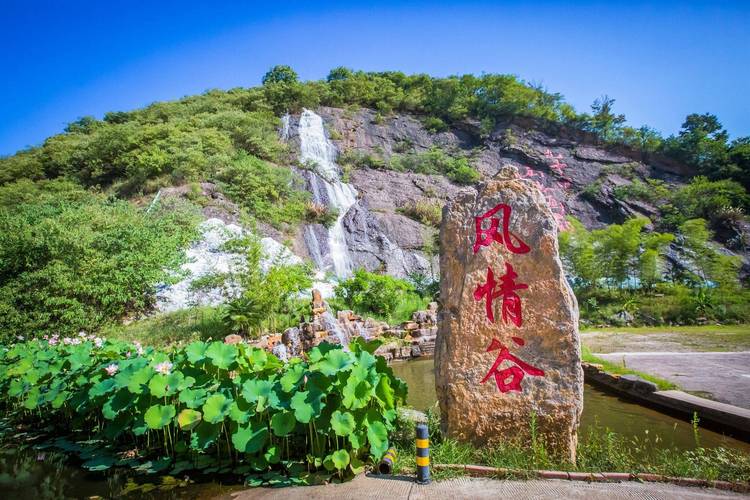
374,487
722,376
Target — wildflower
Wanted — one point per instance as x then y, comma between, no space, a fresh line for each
164,367
138,347
127,354
98,341
75,341
82,334
67,341
53,340
112,369
20,337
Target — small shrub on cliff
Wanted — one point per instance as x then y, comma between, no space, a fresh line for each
427,211
269,193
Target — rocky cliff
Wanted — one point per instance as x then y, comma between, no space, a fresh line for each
577,176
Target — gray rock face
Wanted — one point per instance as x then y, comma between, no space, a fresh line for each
507,351
576,175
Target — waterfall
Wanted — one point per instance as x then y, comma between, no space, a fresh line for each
316,149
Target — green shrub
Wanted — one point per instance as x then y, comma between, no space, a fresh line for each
269,193
78,264
268,300
377,294
427,211
209,406
436,161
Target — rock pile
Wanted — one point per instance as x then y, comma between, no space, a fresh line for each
409,340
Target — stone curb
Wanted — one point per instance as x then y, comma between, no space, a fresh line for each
724,415
601,477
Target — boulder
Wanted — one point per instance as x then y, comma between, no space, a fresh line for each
507,352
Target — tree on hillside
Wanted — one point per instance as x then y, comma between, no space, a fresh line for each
603,121
280,73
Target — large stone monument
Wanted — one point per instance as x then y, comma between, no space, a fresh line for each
507,350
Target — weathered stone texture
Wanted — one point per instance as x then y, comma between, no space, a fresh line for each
481,413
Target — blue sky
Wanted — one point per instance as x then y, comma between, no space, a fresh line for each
659,60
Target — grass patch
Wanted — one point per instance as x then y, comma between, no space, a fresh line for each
599,450
609,367
687,330
175,328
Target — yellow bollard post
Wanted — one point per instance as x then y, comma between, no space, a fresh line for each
423,454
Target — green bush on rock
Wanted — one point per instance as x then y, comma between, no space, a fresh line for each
209,406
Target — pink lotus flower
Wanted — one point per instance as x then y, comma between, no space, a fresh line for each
112,369
164,367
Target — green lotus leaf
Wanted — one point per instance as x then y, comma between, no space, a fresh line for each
193,398
385,392
258,358
16,388
291,378
334,362
340,459
250,439
138,380
222,355
116,403
358,466
360,344
342,423
306,405
115,428
189,419
260,392
316,353
203,436
99,463
196,352
357,440
377,435
273,455
162,385
239,415
33,398
283,423
356,393
216,408
158,416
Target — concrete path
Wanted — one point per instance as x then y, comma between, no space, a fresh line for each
395,488
722,376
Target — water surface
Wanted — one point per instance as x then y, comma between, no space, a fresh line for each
624,417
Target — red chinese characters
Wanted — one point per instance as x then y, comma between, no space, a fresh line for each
485,237
511,305
509,379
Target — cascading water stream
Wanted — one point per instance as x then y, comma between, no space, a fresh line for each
315,148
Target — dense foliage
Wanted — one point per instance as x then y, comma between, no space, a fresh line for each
381,296
71,260
215,406
620,275
265,300
434,162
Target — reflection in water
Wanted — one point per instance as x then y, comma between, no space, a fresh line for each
625,418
